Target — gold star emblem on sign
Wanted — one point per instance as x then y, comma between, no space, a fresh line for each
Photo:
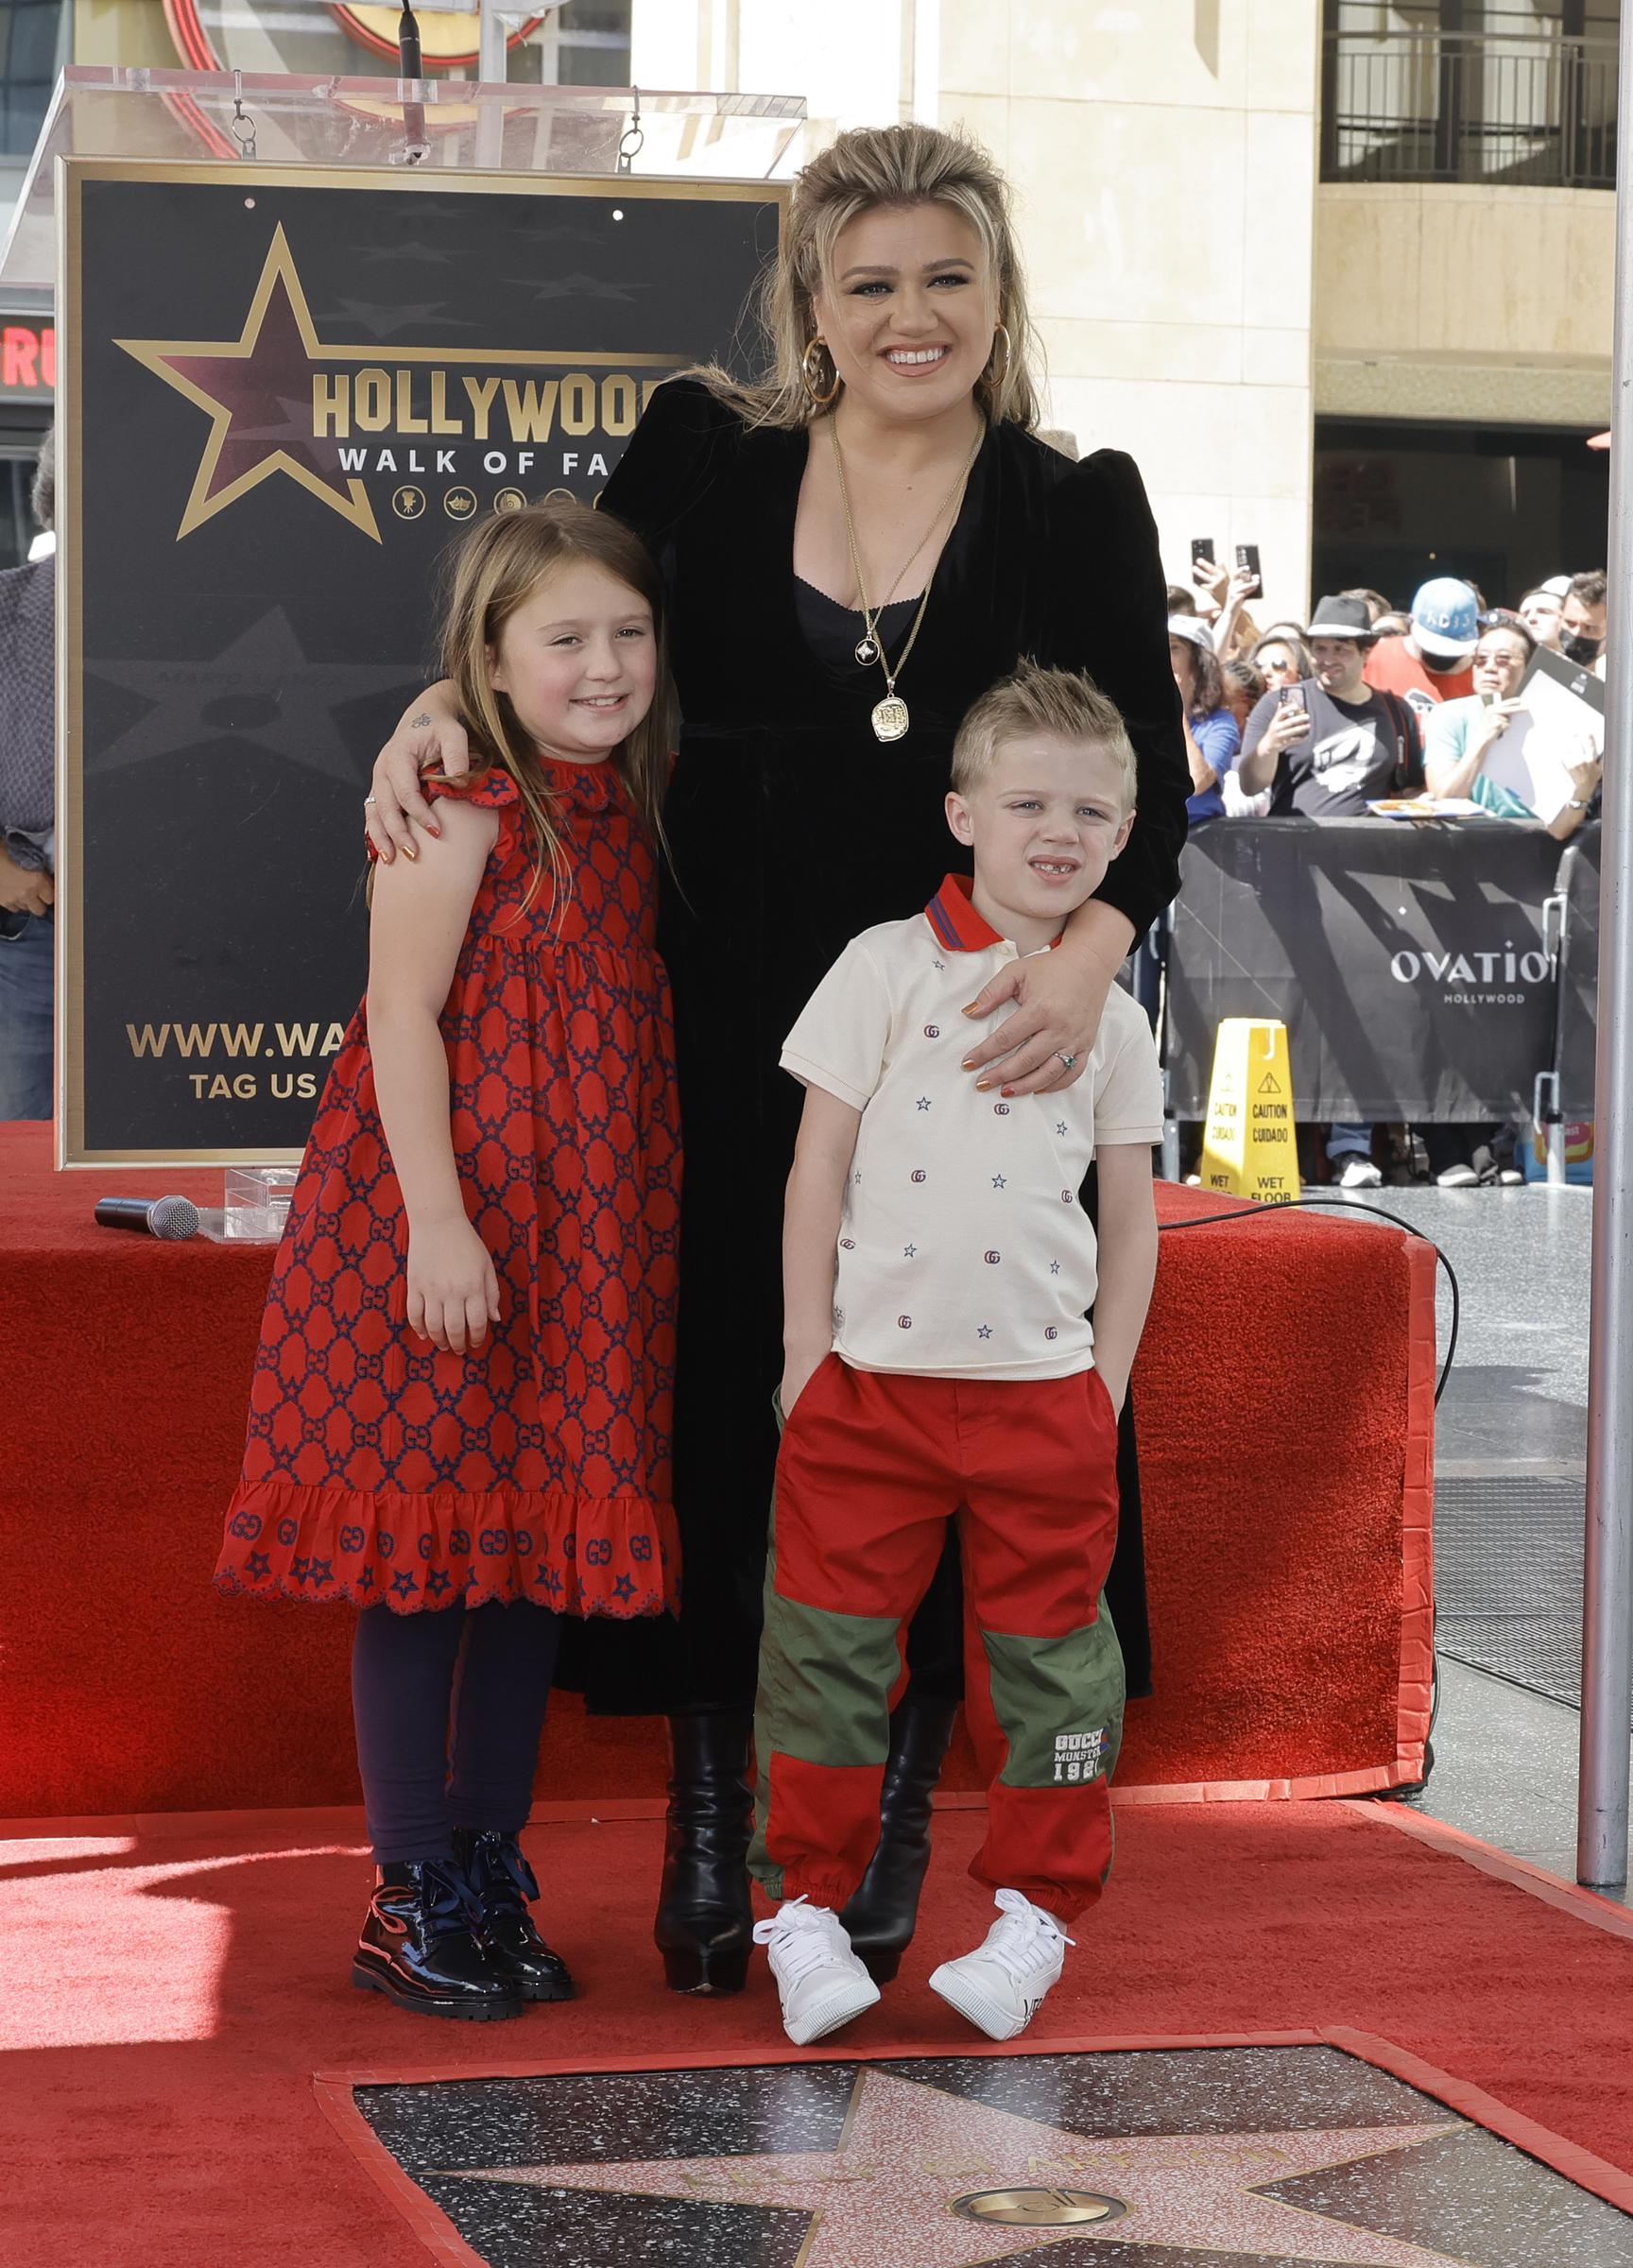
924,2175
256,390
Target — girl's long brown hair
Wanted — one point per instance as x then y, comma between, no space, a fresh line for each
494,570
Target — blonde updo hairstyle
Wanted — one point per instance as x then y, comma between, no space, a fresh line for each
886,168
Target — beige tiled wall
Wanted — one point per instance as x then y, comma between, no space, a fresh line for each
1163,155
1438,267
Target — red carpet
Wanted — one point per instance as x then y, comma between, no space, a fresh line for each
1284,1392
172,1993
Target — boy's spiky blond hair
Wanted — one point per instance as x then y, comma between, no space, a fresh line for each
1067,704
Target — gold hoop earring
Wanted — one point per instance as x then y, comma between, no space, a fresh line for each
996,379
809,377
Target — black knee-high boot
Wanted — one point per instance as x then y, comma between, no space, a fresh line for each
881,1918
704,1923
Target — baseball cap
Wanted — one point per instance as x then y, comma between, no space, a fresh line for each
1446,617
1193,628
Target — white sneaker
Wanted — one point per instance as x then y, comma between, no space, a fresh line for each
1359,1173
821,1982
1001,1985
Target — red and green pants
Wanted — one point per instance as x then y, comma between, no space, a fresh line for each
872,1467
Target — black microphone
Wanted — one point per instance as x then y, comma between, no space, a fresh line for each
169,1217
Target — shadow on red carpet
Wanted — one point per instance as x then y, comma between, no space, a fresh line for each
174,1992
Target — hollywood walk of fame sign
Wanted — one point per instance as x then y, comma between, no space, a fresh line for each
1275,2157
290,389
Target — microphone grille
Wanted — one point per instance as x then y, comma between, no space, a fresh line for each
172,1218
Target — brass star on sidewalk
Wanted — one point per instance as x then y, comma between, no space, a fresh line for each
257,392
927,2176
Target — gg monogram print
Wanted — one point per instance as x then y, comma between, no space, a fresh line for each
538,1467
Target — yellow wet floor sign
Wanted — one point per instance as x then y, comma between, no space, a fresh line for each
1249,1149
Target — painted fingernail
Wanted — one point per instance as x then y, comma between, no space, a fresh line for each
409,851
982,1085
435,831
1007,1090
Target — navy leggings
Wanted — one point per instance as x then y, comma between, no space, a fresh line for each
448,1708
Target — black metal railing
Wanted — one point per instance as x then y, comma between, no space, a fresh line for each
1440,106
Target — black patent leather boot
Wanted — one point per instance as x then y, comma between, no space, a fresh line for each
704,1924
418,1948
880,1918
502,1883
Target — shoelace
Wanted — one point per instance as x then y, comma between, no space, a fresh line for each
1025,1938
503,1878
445,1894
806,1940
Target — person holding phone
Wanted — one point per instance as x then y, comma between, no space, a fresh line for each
1325,749
1227,593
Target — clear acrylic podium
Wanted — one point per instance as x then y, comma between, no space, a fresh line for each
435,126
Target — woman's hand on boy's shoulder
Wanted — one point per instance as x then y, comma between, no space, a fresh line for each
1046,1040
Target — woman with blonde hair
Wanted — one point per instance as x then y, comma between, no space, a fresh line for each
856,548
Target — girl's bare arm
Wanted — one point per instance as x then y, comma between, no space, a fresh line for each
420,915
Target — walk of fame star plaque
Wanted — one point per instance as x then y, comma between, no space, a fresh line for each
292,388
1275,2156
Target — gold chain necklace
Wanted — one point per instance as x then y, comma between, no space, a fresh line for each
868,649
890,717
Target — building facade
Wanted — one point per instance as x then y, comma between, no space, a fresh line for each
1336,272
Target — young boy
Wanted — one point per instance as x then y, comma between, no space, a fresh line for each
937,1268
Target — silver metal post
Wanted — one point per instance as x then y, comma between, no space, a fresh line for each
493,54
493,70
1607,1572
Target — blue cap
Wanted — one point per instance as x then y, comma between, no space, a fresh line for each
1446,618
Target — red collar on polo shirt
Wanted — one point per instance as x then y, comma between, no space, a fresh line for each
955,922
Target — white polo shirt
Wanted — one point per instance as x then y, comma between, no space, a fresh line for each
963,1250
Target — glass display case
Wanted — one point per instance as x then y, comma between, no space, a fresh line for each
436,124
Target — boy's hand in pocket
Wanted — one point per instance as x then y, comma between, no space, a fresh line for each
797,1372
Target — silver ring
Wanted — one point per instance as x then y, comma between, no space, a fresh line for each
368,802
1067,1061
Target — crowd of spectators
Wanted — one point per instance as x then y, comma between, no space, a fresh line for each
1366,706
1364,703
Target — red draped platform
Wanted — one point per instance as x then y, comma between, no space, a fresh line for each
1285,1393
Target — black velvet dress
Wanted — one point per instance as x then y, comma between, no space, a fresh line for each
792,827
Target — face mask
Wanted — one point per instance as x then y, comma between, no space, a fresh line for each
1575,647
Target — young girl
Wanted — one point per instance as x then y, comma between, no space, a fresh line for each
461,1412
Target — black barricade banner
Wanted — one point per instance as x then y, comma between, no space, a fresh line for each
1407,960
1580,992
288,391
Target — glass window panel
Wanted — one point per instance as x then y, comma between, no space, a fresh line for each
32,41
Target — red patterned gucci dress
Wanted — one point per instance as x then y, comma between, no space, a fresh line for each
538,1468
